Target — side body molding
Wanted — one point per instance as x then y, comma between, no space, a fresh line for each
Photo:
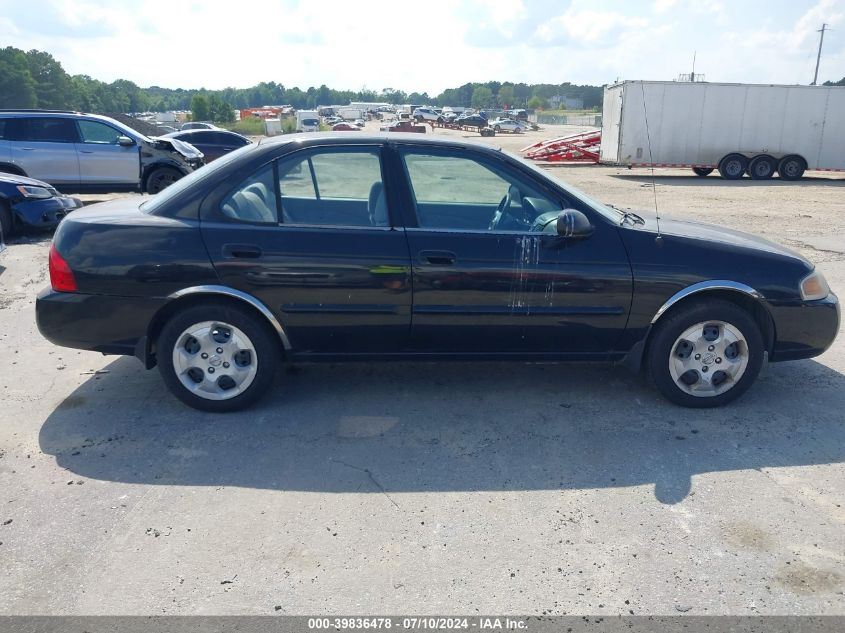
701,286
236,294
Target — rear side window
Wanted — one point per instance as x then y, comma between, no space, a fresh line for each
48,130
333,188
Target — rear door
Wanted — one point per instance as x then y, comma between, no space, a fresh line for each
102,161
489,280
45,148
311,236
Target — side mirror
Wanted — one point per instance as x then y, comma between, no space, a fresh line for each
573,224
125,141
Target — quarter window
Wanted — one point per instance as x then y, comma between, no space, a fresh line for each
254,200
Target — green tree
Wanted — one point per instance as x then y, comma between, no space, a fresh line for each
505,96
482,97
199,108
536,103
52,84
17,88
841,82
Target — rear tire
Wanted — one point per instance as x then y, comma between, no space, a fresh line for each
733,166
702,171
792,167
210,370
6,226
160,178
762,167
710,369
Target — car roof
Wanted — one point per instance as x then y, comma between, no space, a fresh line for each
410,138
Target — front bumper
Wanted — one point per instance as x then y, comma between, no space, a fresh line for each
45,213
804,329
99,323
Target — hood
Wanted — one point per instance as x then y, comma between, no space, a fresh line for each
711,233
185,149
14,179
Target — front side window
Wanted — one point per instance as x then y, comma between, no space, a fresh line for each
333,188
463,193
98,133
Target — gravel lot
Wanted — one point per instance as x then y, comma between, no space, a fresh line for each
432,488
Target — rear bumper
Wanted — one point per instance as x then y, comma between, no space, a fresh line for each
43,214
804,329
110,325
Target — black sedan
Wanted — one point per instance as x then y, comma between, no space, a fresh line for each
212,143
328,247
26,203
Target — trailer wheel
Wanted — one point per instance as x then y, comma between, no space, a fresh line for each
702,171
733,166
792,167
762,167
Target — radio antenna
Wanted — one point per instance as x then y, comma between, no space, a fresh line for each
659,238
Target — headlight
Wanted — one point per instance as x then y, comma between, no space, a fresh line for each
29,191
814,286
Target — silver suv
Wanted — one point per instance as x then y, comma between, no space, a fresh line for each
87,152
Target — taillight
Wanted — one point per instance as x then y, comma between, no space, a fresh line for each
61,276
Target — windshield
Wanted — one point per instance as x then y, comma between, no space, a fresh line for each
194,178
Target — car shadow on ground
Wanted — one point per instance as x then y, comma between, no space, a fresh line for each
715,181
423,427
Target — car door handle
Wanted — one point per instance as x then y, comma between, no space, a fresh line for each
86,151
438,258
28,149
241,251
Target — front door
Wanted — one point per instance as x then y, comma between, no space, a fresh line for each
310,236
102,160
490,277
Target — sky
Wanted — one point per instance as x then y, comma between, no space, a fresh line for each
429,46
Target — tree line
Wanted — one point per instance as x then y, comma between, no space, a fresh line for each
34,79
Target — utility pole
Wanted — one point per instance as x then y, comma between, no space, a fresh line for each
819,56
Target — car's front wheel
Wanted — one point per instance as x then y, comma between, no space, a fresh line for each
706,354
217,357
161,178
5,220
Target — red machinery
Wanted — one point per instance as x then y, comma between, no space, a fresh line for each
583,147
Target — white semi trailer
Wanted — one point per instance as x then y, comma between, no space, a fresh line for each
734,128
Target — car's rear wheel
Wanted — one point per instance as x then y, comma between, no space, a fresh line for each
217,357
706,354
702,171
161,178
5,220
792,167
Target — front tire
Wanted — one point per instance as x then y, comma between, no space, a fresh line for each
160,178
705,354
217,357
5,220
